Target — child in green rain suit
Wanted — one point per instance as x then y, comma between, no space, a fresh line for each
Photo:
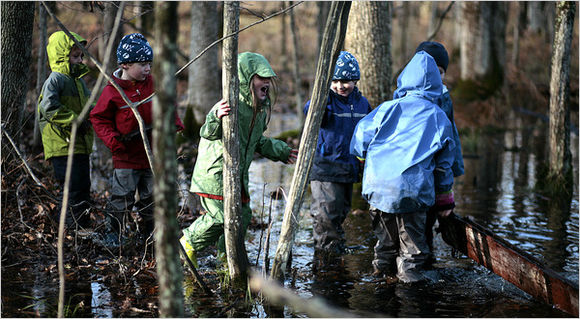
256,81
61,100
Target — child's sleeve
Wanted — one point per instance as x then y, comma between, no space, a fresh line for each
50,107
102,118
212,128
443,175
362,136
273,149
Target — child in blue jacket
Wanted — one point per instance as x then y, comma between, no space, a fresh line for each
439,53
334,169
408,147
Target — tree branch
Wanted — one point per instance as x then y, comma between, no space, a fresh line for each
235,33
440,22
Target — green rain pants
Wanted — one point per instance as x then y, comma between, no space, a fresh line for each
208,229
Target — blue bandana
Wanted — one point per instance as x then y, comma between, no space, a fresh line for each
134,48
346,67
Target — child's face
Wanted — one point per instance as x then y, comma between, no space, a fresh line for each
442,72
75,56
261,87
343,87
136,71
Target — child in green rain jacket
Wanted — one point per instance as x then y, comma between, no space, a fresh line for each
255,75
61,100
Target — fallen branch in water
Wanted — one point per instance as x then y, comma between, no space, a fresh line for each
314,307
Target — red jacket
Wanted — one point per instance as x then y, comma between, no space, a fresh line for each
115,123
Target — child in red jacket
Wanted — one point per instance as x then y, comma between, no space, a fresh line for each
115,124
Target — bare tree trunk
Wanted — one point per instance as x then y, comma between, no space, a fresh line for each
40,71
520,8
483,43
371,45
16,52
296,69
323,8
433,15
560,157
204,81
332,43
284,40
169,270
146,18
233,231
109,15
403,36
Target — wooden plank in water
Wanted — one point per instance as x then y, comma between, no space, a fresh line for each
509,262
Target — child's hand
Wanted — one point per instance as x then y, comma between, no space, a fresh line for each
223,109
446,213
292,157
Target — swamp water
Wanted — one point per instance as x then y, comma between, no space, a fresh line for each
497,191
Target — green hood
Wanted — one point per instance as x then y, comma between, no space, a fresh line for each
58,50
250,64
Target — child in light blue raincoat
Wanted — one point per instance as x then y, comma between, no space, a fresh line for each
408,149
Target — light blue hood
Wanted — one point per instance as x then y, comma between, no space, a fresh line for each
407,143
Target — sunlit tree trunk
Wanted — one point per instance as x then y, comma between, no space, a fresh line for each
332,43
169,270
371,45
16,36
234,233
559,156
41,70
204,80
483,43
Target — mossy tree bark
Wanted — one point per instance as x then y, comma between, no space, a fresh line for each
233,231
169,268
371,45
332,43
560,158
16,53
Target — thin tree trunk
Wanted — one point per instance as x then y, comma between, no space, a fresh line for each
169,270
371,45
234,234
40,72
296,69
332,43
560,157
16,52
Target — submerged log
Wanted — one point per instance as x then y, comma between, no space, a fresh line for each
510,263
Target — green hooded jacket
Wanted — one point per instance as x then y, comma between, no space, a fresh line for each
207,175
62,99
